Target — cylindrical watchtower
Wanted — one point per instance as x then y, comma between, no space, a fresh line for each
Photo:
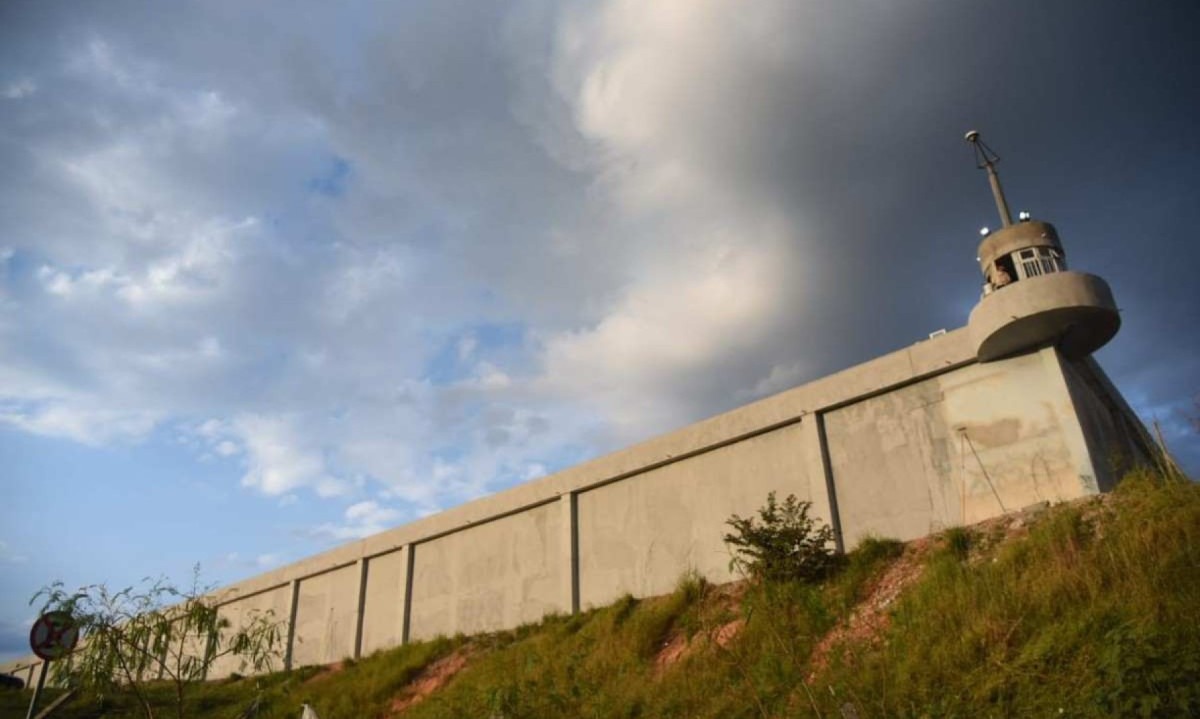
1030,299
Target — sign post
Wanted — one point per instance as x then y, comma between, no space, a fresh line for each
53,636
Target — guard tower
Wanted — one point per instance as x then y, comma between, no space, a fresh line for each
1030,299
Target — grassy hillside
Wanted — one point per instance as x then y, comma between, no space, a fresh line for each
1090,609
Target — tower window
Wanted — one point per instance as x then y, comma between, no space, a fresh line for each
1037,261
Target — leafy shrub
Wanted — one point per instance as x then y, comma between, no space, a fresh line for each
782,544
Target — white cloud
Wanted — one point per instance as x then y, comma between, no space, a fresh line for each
362,519
534,470
466,346
18,89
781,377
304,326
370,512
79,420
193,269
280,458
660,333
268,561
207,279
258,563
489,377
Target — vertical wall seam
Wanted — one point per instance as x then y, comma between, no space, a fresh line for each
827,467
572,499
406,624
362,606
293,610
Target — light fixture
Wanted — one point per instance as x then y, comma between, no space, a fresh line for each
983,231
1024,216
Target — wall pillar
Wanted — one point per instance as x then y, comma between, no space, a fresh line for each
410,559
831,503
570,551
293,607
361,604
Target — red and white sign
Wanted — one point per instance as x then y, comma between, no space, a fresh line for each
53,636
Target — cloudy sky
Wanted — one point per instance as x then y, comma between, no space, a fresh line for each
277,275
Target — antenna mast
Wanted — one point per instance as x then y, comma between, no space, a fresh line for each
986,158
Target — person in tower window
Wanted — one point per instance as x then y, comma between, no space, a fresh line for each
1000,277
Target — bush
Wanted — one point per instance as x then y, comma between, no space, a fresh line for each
782,544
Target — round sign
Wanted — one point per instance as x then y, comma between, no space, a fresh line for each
53,635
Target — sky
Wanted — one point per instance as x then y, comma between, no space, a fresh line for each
277,275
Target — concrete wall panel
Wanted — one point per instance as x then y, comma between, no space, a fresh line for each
326,617
950,450
641,534
383,617
1041,456
490,576
240,612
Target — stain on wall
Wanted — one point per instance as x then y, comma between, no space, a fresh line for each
952,449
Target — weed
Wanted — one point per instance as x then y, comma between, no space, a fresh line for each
958,542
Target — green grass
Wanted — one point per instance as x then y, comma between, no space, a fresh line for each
1095,613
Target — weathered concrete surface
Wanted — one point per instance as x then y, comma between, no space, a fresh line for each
956,449
639,535
492,576
1073,310
326,617
383,620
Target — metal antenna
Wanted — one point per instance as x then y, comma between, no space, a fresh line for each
986,158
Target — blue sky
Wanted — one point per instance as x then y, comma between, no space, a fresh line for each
276,276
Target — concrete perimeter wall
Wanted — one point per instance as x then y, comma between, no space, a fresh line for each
907,444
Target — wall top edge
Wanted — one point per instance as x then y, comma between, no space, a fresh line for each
15,665
925,358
